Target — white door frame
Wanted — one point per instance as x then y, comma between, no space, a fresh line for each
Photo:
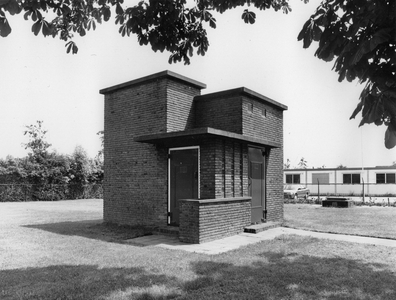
169,170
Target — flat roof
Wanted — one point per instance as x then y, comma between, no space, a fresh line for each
163,74
343,169
241,91
195,133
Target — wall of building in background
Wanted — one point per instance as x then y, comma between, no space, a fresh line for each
372,181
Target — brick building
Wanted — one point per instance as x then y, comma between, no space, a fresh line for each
208,164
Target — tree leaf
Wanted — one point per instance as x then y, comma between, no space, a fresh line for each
212,22
119,9
13,7
379,37
390,136
47,28
357,110
317,33
249,16
106,13
303,31
307,39
71,47
5,28
36,27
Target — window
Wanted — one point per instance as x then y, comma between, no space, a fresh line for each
264,112
292,178
351,178
250,107
321,178
386,178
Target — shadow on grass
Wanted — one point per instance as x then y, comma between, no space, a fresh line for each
291,276
94,229
272,275
86,282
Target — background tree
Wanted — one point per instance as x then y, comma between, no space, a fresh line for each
37,143
45,175
101,151
302,164
286,165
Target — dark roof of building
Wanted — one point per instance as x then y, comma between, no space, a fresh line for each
171,137
163,74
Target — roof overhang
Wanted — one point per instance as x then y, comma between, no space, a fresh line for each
156,76
187,136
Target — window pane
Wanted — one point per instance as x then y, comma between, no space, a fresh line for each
390,178
380,178
355,178
296,178
321,177
346,179
289,178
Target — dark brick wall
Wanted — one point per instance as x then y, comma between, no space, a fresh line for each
207,220
136,174
264,120
256,125
135,181
180,108
274,188
224,112
223,169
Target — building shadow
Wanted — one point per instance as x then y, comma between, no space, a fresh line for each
93,229
291,276
271,275
86,282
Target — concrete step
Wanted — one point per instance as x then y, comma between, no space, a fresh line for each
261,227
170,230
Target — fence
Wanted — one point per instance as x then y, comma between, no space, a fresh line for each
48,192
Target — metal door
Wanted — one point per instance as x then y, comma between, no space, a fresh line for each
257,183
183,176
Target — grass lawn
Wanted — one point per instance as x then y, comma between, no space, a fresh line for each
60,250
374,221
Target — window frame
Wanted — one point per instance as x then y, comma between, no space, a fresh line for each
293,177
351,178
387,178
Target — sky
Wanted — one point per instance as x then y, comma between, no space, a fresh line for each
40,81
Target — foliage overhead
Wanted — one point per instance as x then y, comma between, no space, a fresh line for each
172,25
360,35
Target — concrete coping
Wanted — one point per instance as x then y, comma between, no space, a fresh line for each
337,199
156,76
219,200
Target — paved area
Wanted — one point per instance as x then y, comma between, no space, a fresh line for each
244,239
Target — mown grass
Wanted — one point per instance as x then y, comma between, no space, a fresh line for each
372,221
75,259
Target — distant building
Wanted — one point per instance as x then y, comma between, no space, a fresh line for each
373,181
